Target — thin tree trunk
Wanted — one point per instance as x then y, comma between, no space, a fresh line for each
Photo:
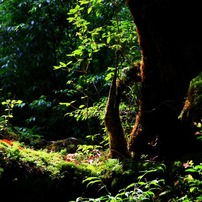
117,140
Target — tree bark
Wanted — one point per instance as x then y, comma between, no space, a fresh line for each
170,39
117,140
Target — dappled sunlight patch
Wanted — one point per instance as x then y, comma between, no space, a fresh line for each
53,164
7,142
78,158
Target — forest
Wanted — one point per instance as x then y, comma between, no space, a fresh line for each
100,101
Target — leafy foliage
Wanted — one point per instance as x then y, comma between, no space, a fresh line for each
5,118
57,60
99,34
56,54
33,37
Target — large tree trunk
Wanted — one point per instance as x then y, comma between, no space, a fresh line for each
170,38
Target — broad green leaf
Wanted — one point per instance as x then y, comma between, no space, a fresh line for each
192,189
89,9
108,39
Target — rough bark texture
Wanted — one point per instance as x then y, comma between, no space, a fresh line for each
117,141
170,38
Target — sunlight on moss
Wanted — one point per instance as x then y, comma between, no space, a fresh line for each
52,163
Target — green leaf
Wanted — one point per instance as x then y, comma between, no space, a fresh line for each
141,183
56,67
70,62
67,104
77,52
18,102
62,64
71,19
89,9
92,180
190,170
108,39
69,82
82,2
199,198
192,189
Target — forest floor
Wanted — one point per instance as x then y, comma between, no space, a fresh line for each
88,174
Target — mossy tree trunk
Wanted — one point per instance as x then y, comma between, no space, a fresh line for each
170,38
117,140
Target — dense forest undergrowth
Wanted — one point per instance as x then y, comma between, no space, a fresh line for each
90,175
71,90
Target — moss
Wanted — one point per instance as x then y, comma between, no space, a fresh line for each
193,105
38,175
